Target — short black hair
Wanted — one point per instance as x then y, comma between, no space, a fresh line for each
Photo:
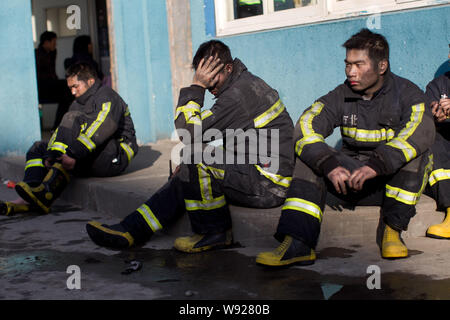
81,43
83,71
375,43
212,48
46,36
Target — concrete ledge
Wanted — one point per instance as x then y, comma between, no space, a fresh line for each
119,196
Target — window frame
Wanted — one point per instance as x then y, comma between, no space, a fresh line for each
324,11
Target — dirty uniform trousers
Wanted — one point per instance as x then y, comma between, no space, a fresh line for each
302,212
439,182
204,192
107,160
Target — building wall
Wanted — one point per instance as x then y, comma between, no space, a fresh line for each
18,88
142,65
306,62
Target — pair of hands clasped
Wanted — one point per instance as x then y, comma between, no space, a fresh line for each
67,162
342,178
441,109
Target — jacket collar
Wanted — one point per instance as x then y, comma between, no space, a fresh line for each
238,68
90,92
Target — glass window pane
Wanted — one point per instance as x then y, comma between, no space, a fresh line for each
289,4
247,8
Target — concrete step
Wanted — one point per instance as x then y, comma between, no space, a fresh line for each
119,196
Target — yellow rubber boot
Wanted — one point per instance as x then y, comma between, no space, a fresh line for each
204,242
442,230
9,208
290,251
392,246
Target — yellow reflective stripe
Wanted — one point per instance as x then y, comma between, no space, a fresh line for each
368,135
273,112
408,151
206,113
217,173
128,150
88,143
106,107
59,146
192,205
127,112
52,139
439,175
150,218
401,195
313,138
205,182
414,121
34,163
191,106
275,178
307,118
303,206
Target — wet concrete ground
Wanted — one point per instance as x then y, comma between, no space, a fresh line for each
36,251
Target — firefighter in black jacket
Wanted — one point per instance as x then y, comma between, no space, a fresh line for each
239,172
386,131
438,92
96,137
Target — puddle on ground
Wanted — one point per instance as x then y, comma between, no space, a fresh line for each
334,252
221,274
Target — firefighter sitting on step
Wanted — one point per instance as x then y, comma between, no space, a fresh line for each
244,105
387,131
96,137
438,92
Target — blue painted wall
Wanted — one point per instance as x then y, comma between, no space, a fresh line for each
18,88
143,65
305,62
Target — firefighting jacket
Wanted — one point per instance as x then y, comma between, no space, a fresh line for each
107,117
244,104
434,91
386,132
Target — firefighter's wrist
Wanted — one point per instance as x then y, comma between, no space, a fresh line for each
329,165
376,164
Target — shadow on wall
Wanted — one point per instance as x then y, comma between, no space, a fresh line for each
144,159
443,68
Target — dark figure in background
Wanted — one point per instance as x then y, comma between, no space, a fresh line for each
96,137
50,88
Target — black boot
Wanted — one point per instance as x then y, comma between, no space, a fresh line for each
46,193
114,236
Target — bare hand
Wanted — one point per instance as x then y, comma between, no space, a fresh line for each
206,74
361,175
445,107
67,162
338,176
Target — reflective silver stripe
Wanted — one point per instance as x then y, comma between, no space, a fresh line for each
59,146
106,107
313,138
269,115
148,215
401,195
88,143
413,123
128,150
303,206
439,175
408,151
275,178
34,163
205,114
367,135
307,118
192,205
52,139
217,173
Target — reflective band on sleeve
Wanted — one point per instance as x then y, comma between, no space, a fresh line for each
191,113
307,118
206,114
313,138
34,163
303,206
401,195
216,203
149,217
217,173
106,107
269,115
275,178
128,150
368,135
52,139
439,175
59,146
408,151
127,112
88,143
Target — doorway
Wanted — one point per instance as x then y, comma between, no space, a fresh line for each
84,17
